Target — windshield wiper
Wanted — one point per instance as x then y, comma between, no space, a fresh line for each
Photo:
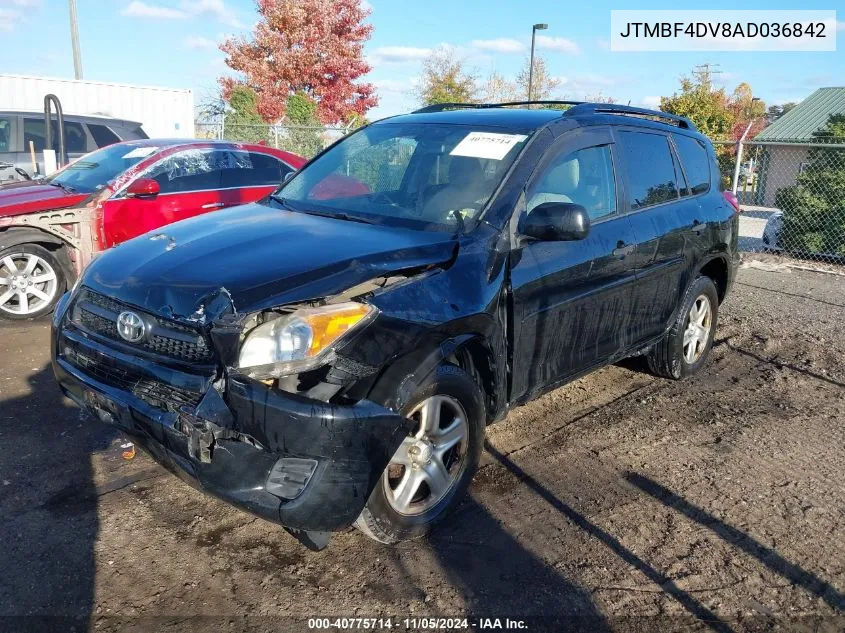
66,188
337,215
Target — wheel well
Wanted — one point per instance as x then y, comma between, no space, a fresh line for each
717,270
475,359
63,251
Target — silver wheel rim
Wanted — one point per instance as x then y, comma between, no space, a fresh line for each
429,461
697,332
28,284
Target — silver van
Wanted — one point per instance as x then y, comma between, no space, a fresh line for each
83,134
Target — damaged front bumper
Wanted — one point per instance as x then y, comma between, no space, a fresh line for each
305,464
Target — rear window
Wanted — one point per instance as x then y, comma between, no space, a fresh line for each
695,161
5,135
650,168
76,142
103,136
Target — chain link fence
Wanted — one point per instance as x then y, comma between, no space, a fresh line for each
300,139
792,195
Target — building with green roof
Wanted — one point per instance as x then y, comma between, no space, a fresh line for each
783,143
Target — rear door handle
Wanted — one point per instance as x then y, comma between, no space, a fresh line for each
622,250
213,205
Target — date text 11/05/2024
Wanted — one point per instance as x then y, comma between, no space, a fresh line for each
418,624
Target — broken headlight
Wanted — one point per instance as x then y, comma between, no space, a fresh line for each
301,340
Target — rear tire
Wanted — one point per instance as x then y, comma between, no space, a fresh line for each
407,502
32,279
684,349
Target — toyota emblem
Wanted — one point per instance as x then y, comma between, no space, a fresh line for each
131,327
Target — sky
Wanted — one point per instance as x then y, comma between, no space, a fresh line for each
173,43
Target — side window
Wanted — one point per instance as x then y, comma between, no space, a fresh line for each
252,169
582,177
696,163
75,139
191,170
102,135
5,135
650,168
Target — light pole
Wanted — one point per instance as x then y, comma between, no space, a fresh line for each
534,29
74,40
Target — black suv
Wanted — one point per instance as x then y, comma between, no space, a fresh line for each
331,355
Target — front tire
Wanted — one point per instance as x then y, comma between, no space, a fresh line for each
684,349
433,467
31,282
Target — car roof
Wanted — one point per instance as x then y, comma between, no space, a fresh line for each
521,118
94,118
525,119
190,142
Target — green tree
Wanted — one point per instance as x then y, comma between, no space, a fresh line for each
241,120
446,80
543,85
814,208
303,135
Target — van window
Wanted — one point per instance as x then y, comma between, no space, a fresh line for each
5,135
650,169
75,140
696,163
582,177
103,136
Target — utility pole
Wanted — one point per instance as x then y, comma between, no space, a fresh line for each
74,40
534,29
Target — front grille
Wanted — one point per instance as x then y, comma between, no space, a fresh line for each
97,314
104,369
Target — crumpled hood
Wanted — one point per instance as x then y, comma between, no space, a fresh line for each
30,196
255,257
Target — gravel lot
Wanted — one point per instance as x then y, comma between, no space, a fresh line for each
620,502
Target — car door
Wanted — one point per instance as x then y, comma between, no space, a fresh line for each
699,170
661,219
571,298
189,185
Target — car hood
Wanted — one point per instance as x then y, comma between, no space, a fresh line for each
255,257
30,196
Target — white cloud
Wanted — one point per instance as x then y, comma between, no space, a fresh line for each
215,8
651,102
138,9
187,9
397,55
557,44
366,6
10,18
395,86
198,41
499,45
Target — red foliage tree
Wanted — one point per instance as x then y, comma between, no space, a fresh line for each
314,47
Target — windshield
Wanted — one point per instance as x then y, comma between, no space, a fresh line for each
96,170
424,176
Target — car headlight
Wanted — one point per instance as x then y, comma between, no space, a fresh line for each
301,340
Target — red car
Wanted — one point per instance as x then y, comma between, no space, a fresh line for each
50,229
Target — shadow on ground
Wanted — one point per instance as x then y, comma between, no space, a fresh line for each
48,507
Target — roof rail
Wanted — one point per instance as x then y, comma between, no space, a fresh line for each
440,107
613,108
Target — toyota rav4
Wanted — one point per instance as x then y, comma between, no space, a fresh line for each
331,355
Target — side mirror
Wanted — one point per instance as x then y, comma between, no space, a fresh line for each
143,188
556,221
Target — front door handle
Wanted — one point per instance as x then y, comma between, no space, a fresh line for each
622,250
213,205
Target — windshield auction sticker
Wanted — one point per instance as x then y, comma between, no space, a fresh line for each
709,30
487,145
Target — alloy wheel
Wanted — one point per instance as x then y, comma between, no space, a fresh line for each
430,460
28,284
697,332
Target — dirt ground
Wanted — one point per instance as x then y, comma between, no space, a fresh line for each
620,502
